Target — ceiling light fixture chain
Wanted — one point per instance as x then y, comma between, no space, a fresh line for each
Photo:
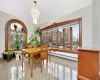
35,2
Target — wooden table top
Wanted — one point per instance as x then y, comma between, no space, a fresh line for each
31,50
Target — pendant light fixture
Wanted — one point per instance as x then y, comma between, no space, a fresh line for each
35,13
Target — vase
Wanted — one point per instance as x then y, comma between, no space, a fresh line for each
17,56
15,26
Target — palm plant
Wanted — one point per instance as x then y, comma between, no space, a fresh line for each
37,31
38,43
34,40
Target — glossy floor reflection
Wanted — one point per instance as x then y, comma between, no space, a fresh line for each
58,69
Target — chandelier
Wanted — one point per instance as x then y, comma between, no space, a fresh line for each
35,13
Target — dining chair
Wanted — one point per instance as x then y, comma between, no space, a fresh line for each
43,56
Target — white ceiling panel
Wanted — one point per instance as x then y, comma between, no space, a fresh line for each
49,9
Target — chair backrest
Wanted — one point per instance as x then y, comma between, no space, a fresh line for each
31,46
44,51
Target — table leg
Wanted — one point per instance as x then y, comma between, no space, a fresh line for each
22,59
47,63
31,63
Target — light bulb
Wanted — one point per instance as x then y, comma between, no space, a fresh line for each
35,21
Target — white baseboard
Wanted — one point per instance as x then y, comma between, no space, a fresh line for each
65,55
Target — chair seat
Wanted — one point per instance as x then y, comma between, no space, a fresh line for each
38,58
36,55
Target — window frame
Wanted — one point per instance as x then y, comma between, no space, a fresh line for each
57,25
7,26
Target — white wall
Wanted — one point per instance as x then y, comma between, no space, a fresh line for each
96,24
4,17
3,20
86,14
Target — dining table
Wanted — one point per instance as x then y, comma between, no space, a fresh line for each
31,52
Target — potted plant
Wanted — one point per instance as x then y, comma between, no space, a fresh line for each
9,56
19,41
34,40
37,31
13,55
5,55
17,55
38,43
16,42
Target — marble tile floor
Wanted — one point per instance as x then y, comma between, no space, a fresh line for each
58,69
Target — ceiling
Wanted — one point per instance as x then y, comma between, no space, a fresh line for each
49,9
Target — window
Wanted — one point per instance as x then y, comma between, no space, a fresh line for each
65,35
49,39
15,35
67,38
44,37
54,37
75,36
60,38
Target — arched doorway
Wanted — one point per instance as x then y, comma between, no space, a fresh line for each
15,35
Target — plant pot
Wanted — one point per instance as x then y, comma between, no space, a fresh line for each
9,58
17,56
13,56
18,48
5,56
